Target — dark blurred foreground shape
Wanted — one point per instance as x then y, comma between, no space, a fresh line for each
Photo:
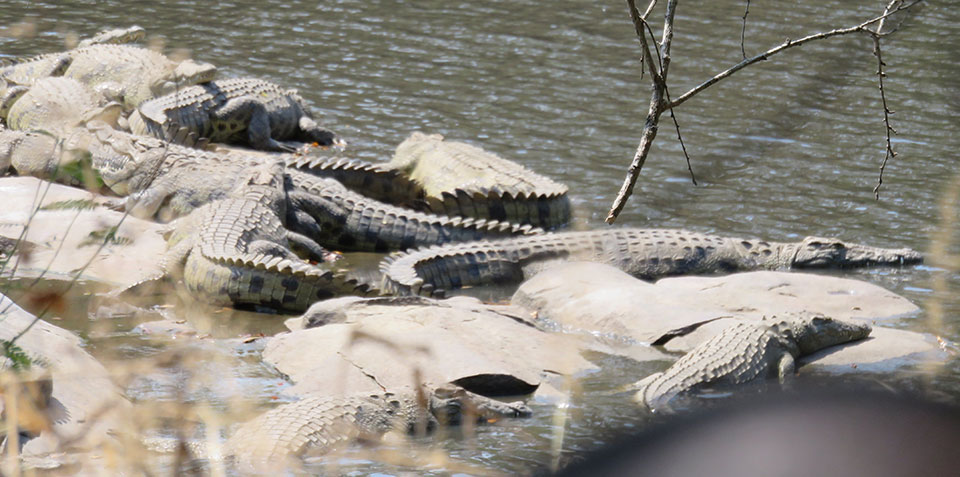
811,434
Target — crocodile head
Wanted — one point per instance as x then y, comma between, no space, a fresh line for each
264,183
117,155
450,404
813,333
10,95
117,36
185,73
820,252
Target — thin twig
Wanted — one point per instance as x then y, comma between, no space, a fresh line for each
693,177
889,153
743,30
785,45
673,116
649,9
656,103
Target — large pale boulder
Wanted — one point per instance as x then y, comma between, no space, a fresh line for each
63,241
597,298
85,402
360,345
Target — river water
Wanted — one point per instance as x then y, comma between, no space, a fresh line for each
786,148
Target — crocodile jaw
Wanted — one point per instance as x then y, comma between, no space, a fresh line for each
819,252
187,73
819,332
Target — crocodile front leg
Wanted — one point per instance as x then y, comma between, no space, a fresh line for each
252,112
310,248
310,131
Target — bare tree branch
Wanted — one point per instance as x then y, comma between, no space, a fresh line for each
785,45
656,102
673,115
660,100
646,13
743,30
889,153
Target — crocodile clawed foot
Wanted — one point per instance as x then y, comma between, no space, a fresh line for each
331,256
115,204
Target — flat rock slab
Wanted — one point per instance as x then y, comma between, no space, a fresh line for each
63,241
381,344
886,350
597,298
85,400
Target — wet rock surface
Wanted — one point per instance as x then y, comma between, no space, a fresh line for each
597,298
85,403
385,343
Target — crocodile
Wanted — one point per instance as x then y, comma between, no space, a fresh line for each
26,70
338,218
644,253
318,424
128,72
57,104
116,36
244,111
747,351
138,74
163,180
34,153
235,251
464,180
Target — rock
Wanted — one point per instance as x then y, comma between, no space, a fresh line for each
85,403
65,240
599,298
885,351
393,343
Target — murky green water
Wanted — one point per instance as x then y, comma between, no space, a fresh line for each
787,148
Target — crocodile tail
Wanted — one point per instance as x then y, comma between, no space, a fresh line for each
432,271
346,220
371,180
270,281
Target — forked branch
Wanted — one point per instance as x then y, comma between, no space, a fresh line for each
660,100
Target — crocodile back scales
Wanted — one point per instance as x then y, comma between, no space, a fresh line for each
461,179
643,253
195,108
348,221
52,104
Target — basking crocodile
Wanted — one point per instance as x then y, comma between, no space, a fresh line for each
336,217
26,70
318,424
643,253
464,180
242,111
235,251
34,153
163,181
57,104
745,352
117,36
133,73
